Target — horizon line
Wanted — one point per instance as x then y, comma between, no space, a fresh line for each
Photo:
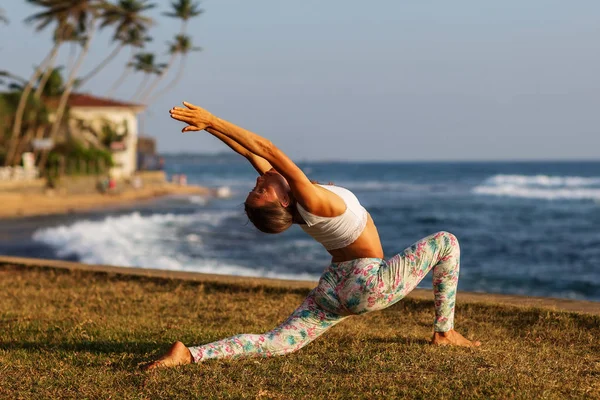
333,160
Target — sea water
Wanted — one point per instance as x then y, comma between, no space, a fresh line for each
529,228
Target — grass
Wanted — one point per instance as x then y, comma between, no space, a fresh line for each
83,335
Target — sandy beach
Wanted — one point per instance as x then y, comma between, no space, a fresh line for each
16,205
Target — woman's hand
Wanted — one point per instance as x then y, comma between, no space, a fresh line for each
197,118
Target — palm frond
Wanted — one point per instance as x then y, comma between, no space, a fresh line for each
126,14
184,9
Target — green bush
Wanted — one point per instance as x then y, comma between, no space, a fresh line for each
74,153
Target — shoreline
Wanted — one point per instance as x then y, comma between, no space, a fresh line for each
549,303
19,205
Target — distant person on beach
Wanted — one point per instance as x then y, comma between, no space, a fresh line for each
357,281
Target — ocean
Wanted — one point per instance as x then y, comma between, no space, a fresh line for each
529,228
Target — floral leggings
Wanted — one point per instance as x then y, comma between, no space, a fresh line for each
351,288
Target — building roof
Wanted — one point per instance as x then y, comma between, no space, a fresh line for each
87,100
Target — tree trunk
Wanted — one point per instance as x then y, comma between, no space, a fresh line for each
159,78
101,66
40,89
146,95
38,135
141,87
72,52
16,131
64,98
173,83
119,81
124,75
45,77
26,139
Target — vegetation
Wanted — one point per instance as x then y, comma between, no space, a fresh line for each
84,335
24,108
181,46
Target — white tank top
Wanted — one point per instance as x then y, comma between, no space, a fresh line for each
336,232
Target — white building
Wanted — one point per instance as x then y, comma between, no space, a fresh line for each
96,112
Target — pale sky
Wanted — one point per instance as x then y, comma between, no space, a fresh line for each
382,80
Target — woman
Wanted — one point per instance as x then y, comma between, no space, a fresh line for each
357,281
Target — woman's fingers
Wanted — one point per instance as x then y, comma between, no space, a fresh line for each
182,111
190,106
192,115
190,129
183,118
178,116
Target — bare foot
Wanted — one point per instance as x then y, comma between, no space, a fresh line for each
178,354
452,338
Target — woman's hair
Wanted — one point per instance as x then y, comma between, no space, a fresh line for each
270,218
274,217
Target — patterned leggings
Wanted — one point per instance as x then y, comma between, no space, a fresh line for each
351,288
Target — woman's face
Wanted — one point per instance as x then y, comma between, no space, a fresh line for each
269,188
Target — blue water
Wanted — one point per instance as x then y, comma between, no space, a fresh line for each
525,227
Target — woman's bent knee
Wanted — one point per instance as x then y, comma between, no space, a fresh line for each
449,240
445,234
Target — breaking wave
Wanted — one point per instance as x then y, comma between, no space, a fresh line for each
541,187
153,241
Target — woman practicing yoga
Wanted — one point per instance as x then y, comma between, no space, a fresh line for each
357,281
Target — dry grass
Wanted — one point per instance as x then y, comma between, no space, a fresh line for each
83,335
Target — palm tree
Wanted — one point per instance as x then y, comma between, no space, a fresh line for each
183,46
37,124
31,118
130,27
136,40
67,34
51,85
43,19
183,10
84,13
127,15
47,85
144,62
35,117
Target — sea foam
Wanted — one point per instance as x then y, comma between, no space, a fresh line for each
541,187
151,241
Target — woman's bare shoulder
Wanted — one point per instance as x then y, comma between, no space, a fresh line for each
330,204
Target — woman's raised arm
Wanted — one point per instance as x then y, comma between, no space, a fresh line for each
260,164
304,191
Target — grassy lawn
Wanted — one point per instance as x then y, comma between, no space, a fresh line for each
84,335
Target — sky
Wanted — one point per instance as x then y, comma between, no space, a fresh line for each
386,80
